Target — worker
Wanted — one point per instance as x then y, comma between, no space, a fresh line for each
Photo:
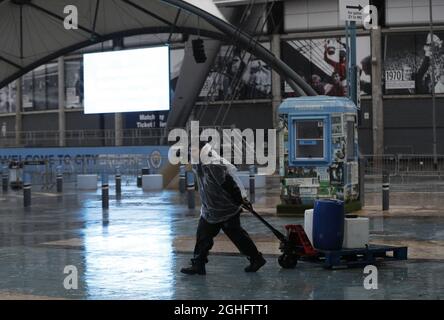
222,196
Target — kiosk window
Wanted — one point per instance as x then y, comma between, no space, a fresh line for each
309,139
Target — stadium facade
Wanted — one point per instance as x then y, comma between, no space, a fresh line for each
401,68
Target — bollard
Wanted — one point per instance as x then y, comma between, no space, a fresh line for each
105,218
385,191
252,182
139,181
105,193
182,182
5,180
27,194
118,184
59,181
190,190
361,180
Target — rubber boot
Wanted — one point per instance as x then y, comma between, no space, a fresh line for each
196,268
255,263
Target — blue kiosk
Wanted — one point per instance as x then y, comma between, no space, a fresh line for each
318,145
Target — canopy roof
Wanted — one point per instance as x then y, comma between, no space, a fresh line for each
32,32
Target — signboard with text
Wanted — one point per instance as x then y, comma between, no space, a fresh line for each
352,10
146,120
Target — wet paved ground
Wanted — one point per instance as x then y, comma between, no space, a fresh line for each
136,249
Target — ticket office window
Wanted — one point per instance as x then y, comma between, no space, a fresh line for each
309,141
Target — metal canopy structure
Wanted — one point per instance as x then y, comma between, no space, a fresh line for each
32,32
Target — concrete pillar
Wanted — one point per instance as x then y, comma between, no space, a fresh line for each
118,129
377,103
18,112
276,91
187,91
61,88
118,125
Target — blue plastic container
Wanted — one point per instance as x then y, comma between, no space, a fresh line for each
328,224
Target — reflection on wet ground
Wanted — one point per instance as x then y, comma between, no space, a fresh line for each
136,249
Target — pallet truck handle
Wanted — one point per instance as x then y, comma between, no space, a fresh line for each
249,207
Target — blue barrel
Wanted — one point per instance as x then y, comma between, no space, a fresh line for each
328,224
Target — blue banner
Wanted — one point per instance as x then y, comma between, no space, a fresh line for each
84,155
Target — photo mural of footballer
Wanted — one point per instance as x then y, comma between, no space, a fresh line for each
408,63
323,63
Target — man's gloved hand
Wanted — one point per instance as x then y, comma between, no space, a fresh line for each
246,204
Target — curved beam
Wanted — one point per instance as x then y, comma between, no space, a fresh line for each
228,34
250,45
57,17
110,36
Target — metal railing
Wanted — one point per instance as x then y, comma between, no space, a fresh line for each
404,164
415,180
43,173
88,138
376,164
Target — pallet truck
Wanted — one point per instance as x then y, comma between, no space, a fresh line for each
293,246
296,245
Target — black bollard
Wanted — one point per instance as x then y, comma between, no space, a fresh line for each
118,184
191,190
105,195
182,182
385,191
5,181
27,194
252,183
361,180
59,182
105,218
139,181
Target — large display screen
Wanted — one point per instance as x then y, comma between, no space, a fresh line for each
127,80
